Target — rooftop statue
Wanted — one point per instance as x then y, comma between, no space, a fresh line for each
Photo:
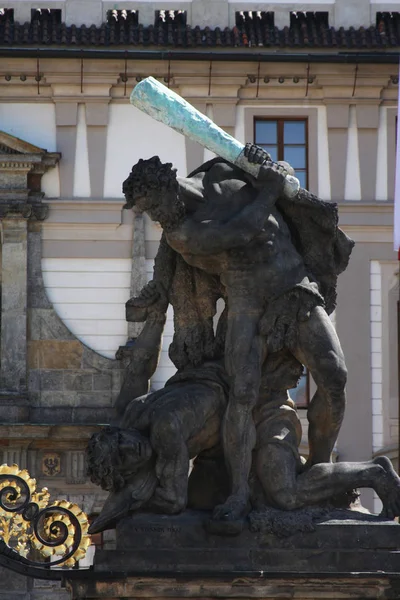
246,234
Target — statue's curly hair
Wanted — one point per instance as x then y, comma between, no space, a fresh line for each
151,179
103,455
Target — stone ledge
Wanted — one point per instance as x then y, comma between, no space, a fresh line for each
342,541
350,586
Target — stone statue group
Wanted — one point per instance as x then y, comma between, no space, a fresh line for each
223,434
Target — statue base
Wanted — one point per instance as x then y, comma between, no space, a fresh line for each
160,557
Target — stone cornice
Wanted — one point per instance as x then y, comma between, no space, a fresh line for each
61,80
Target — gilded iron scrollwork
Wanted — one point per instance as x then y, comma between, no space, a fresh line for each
28,524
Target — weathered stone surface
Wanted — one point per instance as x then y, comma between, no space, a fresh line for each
50,398
117,376
14,409
92,360
102,382
54,354
73,415
13,305
51,380
34,380
45,324
79,382
12,584
343,541
94,399
244,585
36,290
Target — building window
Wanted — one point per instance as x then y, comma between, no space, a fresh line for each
130,17
45,15
6,15
309,20
176,18
285,139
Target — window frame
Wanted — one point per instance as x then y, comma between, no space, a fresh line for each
280,137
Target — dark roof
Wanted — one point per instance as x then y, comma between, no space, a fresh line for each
257,32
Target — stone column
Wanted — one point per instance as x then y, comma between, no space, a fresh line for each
13,305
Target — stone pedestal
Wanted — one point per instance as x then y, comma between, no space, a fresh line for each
348,555
344,587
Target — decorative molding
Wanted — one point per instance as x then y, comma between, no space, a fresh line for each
38,212
76,467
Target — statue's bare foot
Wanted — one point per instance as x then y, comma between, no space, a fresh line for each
235,508
168,501
390,492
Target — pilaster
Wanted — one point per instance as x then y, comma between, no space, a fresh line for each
66,122
367,125
13,305
96,122
337,121
391,150
21,168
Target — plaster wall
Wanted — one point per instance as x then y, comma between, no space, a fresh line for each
133,135
89,295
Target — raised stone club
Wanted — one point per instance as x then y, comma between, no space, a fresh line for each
159,102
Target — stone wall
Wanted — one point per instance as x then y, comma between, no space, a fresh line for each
67,382
17,587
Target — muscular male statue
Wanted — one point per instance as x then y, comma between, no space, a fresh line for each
228,224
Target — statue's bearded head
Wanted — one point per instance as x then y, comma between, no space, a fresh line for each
152,187
116,455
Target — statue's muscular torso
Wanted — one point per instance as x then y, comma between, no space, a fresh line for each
269,259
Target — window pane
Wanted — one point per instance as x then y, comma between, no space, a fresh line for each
273,150
302,177
295,156
266,132
299,394
294,132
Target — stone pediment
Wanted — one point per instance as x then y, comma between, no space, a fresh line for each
9,144
21,168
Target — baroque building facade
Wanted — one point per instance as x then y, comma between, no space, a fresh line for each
317,87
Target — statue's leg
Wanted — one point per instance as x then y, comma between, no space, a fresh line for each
276,469
320,351
243,358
